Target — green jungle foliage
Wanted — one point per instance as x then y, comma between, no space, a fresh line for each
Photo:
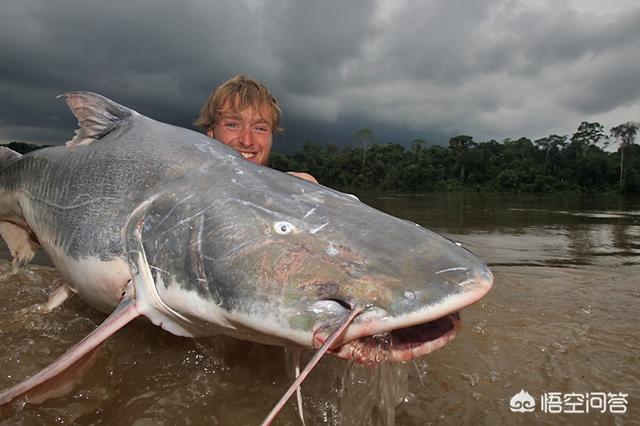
551,164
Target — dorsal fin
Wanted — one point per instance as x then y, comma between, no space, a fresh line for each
96,115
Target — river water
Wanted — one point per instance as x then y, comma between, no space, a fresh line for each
561,323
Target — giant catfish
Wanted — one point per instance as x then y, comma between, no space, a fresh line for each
143,218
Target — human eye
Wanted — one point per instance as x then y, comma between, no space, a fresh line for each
231,124
262,127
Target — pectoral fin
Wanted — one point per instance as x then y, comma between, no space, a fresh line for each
60,377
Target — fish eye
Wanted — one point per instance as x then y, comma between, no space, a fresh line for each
283,228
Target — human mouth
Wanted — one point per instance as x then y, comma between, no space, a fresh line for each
248,155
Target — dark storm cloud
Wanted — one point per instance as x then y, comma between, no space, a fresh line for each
440,41
311,42
152,56
405,69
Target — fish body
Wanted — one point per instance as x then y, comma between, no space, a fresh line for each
138,212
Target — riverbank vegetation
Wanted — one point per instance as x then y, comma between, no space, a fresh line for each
577,163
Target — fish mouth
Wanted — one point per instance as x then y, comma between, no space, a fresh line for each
398,345
375,336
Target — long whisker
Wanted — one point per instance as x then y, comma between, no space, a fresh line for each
296,357
310,365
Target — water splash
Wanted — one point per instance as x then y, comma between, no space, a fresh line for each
345,393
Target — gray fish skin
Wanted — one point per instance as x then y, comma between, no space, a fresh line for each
233,248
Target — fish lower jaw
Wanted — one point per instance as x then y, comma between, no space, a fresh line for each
400,345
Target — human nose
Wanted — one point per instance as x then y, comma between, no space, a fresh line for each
246,136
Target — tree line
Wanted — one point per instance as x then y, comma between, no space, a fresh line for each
556,163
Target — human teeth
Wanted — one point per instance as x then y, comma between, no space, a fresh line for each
248,154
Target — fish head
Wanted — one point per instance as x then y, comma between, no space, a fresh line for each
285,264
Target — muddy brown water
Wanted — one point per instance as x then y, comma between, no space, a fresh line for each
562,317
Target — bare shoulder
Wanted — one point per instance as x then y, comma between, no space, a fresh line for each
303,175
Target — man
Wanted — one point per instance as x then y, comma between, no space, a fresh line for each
243,114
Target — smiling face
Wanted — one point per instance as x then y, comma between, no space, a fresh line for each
243,114
248,131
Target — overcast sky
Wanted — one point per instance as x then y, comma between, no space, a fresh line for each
426,69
